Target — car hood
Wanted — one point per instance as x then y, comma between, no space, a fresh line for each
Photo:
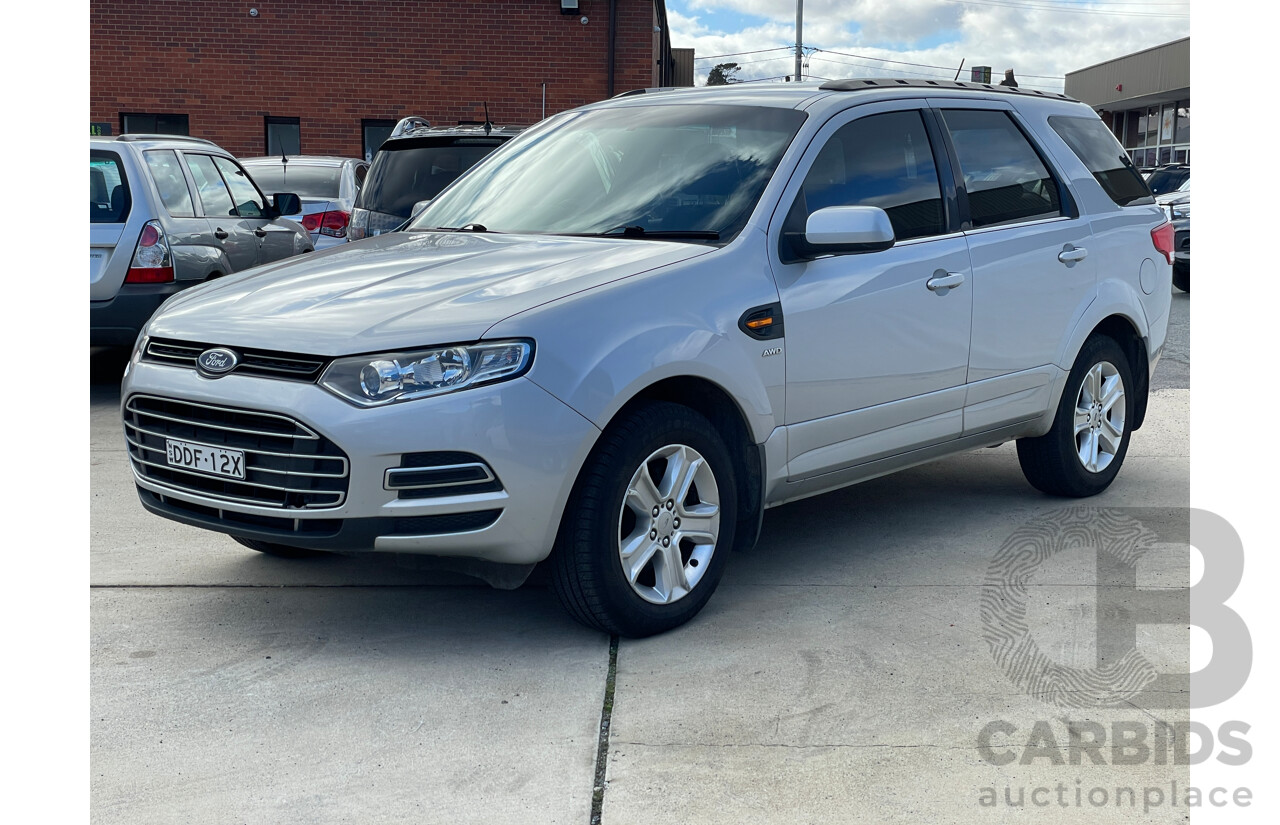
406,289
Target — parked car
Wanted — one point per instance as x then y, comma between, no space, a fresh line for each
1168,178
414,165
1177,205
615,342
167,212
328,187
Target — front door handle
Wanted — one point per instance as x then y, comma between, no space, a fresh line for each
261,233
942,281
220,233
1072,254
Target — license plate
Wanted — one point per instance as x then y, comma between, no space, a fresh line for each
206,459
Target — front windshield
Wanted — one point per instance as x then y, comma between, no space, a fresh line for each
642,170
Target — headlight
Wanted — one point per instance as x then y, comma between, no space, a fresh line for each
1181,211
374,380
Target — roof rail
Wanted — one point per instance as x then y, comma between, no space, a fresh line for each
854,84
408,124
147,136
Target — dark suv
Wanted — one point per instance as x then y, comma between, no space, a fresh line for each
414,165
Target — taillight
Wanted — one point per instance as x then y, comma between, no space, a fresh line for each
311,222
152,260
1162,238
334,224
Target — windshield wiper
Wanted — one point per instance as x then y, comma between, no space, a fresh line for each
470,227
653,234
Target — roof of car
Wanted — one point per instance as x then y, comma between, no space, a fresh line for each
461,130
305,160
152,139
801,95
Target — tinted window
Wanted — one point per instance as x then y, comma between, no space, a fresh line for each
247,200
655,168
284,136
166,124
1102,154
881,160
108,189
210,186
1167,180
1005,178
320,182
417,169
170,182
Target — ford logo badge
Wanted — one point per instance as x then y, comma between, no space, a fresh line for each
216,362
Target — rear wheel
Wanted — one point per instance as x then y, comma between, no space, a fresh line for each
1082,453
283,551
647,531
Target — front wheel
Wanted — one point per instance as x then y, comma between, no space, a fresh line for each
1082,453
647,531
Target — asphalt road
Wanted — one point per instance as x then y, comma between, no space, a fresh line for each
842,673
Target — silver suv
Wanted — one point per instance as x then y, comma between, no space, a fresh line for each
622,336
166,212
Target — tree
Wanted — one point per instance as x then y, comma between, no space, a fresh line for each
722,74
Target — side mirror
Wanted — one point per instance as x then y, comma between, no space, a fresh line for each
844,230
286,203
418,207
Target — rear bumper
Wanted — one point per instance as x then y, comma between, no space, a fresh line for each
117,322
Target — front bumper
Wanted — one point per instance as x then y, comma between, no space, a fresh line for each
533,442
117,322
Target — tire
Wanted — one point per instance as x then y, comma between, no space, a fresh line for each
282,551
610,511
1182,277
1053,462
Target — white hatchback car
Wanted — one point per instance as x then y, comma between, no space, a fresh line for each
623,335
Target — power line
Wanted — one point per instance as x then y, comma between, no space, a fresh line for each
735,54
948,76
926,65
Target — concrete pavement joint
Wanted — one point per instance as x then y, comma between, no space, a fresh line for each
602,745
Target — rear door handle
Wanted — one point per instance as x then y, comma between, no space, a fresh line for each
943,281
220,233
261,233
1072,254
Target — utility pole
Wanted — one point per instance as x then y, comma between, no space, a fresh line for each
799,38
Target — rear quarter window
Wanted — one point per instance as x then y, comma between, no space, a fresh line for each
109,199
1103,156
170,182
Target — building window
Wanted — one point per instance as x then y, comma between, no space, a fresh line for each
373,133
154,124
284,136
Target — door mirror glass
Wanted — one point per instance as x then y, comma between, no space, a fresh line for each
286,203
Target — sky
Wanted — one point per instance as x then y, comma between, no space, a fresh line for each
1041,40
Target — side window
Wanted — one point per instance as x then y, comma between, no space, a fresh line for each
170,182
109,199
209,185
247,200
1006,180
880,160
361,171
1101,153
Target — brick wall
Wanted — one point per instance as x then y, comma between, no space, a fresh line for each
331,63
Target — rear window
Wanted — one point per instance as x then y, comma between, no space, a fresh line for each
1102,154
170,182
109,199
1167,180
417,169
316,182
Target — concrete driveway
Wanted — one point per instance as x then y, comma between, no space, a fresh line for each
840,674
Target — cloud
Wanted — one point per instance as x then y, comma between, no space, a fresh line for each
1026,35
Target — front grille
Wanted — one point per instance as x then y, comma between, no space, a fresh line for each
287,464
267,363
